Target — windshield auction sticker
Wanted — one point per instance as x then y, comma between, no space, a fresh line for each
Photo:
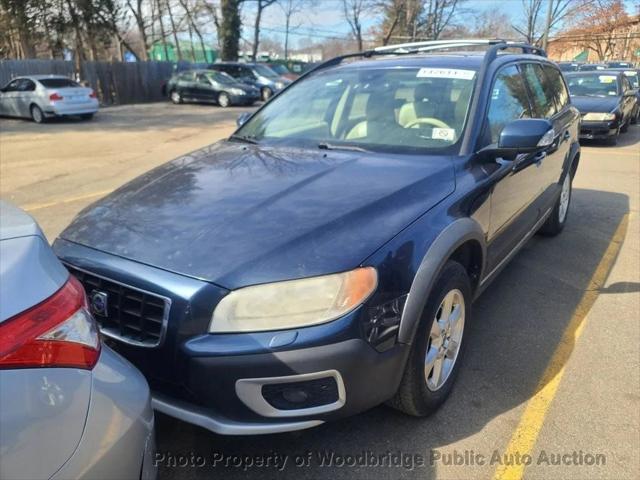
445,73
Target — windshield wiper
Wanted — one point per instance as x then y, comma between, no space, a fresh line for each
331,146
244,138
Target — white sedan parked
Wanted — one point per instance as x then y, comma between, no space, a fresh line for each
43,96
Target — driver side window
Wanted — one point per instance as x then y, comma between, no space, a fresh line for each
509,101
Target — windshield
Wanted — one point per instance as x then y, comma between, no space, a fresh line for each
222,78
399,109
278,68
58,83
593,85
265,71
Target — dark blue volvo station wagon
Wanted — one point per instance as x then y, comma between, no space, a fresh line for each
324,258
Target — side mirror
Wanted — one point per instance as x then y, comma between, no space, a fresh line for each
242,119
528,135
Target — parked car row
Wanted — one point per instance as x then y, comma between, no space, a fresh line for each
582,66
608,100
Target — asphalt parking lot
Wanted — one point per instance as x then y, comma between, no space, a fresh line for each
552,372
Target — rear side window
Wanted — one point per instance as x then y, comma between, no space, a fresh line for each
509,101
557,86
58,83
541,90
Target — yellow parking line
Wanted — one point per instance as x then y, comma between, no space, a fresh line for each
38,206
524,437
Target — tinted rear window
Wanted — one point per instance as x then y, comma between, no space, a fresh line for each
58,82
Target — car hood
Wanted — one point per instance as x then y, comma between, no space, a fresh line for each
236,214
595,104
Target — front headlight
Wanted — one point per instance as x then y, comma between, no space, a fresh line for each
293,303
279,85
599,117
236,91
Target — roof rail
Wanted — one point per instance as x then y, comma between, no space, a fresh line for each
436,44
495,46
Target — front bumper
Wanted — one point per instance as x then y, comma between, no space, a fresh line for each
119,439
216,381
599,130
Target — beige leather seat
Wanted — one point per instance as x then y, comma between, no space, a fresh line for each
430,102
381,119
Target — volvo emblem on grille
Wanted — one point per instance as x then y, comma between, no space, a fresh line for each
99,303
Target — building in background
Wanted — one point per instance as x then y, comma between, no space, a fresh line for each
191,52
588,44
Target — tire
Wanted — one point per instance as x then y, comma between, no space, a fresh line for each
634,117
265,93
558,218
613,141
419,394
175,97
625,126
223,100
37,115
86,116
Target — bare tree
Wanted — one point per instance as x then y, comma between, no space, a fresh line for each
353,10
439,13
135,7
260,6
290,8
599,25
531,25
193,26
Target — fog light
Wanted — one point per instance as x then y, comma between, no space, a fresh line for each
295,395
305,394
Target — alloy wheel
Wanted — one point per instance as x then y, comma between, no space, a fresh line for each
565,196
445,339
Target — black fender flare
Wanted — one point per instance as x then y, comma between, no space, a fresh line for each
454,235
574,153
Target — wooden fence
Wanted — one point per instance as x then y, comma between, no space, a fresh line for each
114,82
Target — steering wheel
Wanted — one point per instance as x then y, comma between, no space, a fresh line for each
429,121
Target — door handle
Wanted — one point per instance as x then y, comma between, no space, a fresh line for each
566,135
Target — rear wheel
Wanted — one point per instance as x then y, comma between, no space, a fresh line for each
37,115
558,218
223,100
636,115
86,116
175,97
438,345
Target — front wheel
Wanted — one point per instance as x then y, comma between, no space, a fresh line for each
558,217
438,345
175,96
223,100
266,93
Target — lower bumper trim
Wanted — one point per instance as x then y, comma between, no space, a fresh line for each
223,426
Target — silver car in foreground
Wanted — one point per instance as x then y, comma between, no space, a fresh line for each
70,407
44,96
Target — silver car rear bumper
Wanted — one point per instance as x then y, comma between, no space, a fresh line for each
119,438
